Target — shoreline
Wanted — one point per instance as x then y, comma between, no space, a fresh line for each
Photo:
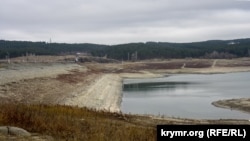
103,91
216,70
150,74
240,104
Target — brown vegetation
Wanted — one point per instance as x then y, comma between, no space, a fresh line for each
73,123
234,63
167,65
68,123
199,64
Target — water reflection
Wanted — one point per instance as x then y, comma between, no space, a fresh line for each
154,86
187,96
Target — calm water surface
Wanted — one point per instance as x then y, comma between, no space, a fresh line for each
186,96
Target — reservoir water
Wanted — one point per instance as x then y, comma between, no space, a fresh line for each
186,95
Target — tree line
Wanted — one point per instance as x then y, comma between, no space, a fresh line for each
148,50
21,48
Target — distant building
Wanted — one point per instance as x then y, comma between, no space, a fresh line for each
233,43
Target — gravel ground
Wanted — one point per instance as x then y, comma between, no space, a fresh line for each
105,93
16,72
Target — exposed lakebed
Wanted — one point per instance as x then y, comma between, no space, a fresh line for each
186,95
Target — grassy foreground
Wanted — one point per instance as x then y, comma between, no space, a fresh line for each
73,123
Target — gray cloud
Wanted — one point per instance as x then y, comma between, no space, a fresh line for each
120,21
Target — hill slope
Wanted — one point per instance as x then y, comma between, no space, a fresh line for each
130,51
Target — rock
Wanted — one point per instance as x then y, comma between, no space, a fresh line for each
9,130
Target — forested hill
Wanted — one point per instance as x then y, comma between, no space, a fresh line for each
149,50
19,48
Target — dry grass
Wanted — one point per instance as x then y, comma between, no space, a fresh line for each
199,64
72,123
2,65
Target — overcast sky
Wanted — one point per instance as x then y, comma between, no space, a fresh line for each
123,21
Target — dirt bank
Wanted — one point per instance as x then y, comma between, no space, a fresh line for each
104,93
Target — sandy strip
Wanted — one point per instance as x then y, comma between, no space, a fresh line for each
211,70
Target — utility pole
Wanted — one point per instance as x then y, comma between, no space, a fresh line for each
8,57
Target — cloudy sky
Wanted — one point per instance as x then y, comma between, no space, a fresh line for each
123,21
